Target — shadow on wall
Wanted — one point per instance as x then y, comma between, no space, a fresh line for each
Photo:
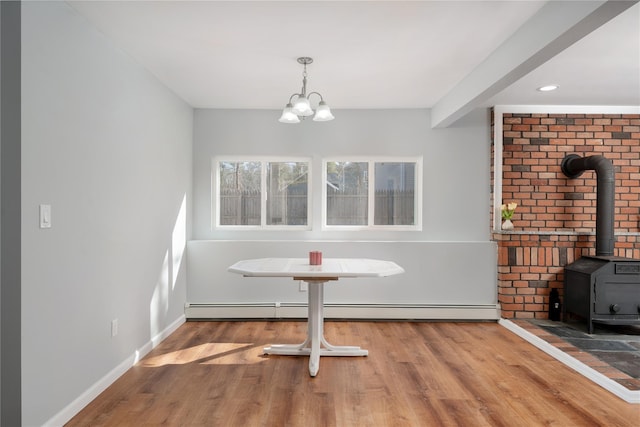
169,271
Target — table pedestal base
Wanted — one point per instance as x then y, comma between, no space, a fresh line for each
315,345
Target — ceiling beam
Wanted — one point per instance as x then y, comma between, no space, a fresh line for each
556,26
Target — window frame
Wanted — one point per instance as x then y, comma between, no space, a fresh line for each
264,161
371,162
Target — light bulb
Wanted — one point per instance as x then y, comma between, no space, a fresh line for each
288,116
323,113
302,107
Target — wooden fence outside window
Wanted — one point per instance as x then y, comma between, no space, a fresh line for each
392,207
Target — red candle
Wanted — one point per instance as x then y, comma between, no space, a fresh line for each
315,258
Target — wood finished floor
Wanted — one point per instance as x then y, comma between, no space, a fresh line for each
416,374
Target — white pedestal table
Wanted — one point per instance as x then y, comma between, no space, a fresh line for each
316,276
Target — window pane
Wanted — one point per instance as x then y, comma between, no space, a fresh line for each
394,189
287,189
347,193
240,193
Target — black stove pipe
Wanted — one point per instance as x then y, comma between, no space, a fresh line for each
573,166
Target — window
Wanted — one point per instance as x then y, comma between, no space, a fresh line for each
372,194
347,193
261,193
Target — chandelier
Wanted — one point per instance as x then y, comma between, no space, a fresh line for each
301,107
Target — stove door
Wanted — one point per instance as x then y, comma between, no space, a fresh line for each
616,296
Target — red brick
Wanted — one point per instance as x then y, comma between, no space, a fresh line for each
543,208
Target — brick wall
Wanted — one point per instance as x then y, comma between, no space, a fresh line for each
555,219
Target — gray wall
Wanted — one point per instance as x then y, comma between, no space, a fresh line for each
455,168
10,390
437,274
109,148
450,262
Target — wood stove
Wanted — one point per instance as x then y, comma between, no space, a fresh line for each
603,288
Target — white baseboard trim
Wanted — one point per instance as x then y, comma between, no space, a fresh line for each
629,396
344,311
92,392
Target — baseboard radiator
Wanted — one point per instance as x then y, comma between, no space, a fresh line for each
342,311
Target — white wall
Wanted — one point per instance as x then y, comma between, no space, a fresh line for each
109,148
451,262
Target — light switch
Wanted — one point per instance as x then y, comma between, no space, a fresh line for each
45,216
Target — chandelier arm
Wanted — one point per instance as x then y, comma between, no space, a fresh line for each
317,93
291,97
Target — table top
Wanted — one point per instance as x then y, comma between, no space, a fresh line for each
300,267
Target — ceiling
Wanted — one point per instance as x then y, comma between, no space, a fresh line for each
447,55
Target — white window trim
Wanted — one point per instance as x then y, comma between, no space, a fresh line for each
371,161
215,192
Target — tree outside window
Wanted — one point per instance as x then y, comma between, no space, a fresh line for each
371,193
263,193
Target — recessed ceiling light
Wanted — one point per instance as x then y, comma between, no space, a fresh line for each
548,88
